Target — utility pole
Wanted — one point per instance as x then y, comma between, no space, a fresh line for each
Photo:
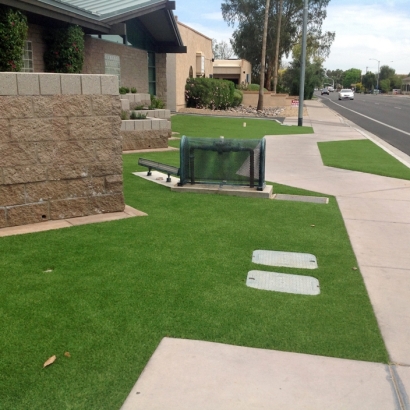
303,64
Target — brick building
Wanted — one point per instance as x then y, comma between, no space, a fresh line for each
128,38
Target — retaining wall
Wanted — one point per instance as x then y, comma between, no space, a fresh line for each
60,147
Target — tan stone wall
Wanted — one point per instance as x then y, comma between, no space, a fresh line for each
161,76
60,147
195,43
250,98
132,140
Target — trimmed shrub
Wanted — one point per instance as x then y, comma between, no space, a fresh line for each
13,34
156,103
124,90
209,93
237,98
65,50
133,90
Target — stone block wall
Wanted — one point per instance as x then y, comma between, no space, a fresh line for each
60,147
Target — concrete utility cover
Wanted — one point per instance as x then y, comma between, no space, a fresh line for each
287,259
302,198
283,282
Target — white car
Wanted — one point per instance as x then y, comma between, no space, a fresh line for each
346,94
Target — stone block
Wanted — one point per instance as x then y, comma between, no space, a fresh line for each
137,98
91,127
66,152
50,84
129,125
39,129
130,97
159,113
125,104
28,84
85,187
71,84
167,114
113,183
71,171
12,195
18,154
163,124
91,84
4,130
46,191
107,203
8,84
106,168
147,124
43,106
150,113
16,107
107,149
109,84
69,208
72,105
155,123
3,221
27,214
139,126
24,174
122,125
106,105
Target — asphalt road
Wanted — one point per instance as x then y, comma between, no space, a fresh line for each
388,117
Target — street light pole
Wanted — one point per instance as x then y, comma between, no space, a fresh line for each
378,70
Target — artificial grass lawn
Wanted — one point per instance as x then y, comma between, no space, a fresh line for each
214,127
117,288
363,156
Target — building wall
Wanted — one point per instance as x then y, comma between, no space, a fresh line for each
35,35
133,62
236,70
60,147
161,76
179,64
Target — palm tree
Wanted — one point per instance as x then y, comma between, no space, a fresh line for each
263,59
275,72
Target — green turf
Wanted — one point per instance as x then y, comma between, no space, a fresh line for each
363,156
117,288
214,127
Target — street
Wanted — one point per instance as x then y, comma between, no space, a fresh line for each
382,115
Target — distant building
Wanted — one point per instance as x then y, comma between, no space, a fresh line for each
196,62
405,85
237,71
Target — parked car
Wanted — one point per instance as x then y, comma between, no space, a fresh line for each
346,94
331,89
324,91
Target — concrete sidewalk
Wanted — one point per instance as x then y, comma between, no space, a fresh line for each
188,374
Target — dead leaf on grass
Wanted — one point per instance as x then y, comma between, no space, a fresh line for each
67,354
51,360
354,268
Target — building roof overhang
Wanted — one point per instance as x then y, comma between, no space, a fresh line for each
103,17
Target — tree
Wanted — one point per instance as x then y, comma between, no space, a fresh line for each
247,37
386,72
263,58
278,35
221,50
351,76
369,80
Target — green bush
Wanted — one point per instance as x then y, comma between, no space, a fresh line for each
209,93
65,50
13,34
124,115
156,103
124,90
237,98
133,90
137,116
249,87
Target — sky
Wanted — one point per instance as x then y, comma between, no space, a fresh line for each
369,33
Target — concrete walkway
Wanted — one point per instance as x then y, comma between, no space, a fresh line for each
188,374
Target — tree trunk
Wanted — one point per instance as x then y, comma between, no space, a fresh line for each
275,73
263,59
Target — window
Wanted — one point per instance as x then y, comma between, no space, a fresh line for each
27,58
152,86
112,65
